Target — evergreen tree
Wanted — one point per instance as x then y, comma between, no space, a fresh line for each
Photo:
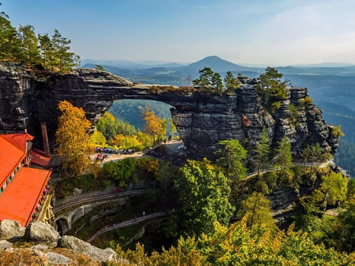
262,151
47,52
256,211
10,43
283,159
30,43
231,158
217,83
205,79
64,59
230,82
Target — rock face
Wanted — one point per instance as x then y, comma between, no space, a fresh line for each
202,120
85,248
40,232
10,229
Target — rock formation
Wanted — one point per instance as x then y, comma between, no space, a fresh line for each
42,241
202,120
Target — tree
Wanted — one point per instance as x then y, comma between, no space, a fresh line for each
154,125
97,138
283,158
203,192
30,43
100,68
10,43
217,83
332,190
271,86
230,82
72,138
231,158
47,52
255,210
121,171
283,162
64,59
205,79
262,151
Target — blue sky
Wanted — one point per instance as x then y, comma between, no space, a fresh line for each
275,32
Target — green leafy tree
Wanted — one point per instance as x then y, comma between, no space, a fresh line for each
97,138
203,192
333,189
121,171
230,82
262,151
231,158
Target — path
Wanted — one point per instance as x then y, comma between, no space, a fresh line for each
98,198
138,154
263,171
128,223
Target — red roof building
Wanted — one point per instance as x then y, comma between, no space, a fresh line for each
21,187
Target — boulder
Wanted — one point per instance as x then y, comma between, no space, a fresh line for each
40,247
42,233
80,246
5,244
10,229
55,258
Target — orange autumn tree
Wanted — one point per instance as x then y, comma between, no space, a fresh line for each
73,139
154,125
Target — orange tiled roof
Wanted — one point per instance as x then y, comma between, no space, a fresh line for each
18,202
39,158
18,140
10,157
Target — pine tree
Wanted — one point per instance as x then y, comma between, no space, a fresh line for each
10,43
231,159
262,151
230,82
217,83
30,43
64,59
205,79
283,159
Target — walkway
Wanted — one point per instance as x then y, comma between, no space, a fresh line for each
263,171
128,223
99,198
138,154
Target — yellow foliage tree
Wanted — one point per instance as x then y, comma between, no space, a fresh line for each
126,142
154,125
72,138
97,138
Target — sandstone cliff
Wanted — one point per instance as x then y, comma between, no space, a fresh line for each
202,120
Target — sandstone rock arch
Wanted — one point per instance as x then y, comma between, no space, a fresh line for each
202,120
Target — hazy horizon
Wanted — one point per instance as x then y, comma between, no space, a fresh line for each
276,32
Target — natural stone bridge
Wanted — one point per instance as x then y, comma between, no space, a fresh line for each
202,120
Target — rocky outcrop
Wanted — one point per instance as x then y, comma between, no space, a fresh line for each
201,119
43,233
50,248
83,247
11,229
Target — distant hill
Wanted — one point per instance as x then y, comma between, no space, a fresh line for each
330,64
217,64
